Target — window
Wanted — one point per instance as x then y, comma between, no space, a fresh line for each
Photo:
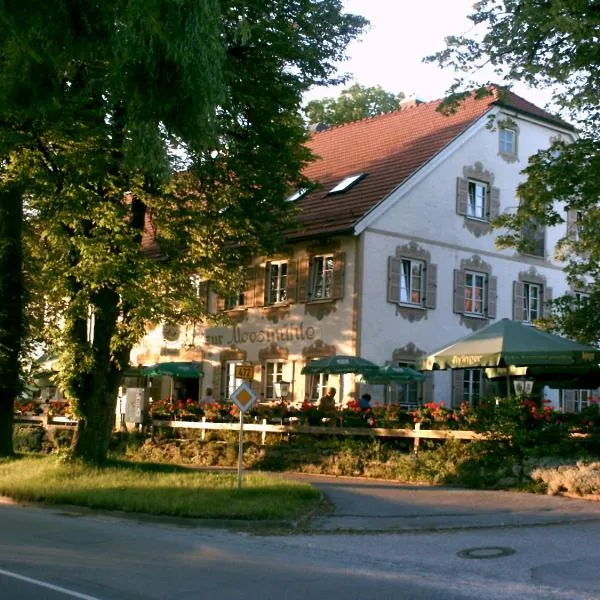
235,300
534,233
475,293
531,296
508,141
472,386
231,382
297,195
578,224
318,384
576,400
411,281
477,205
321,277
347,183
273,374
475,289
580,298
532,300
407,394
277,282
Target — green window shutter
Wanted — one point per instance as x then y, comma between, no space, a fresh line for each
462,195
518,294
459,291
393,287
569,400
492,298
203,294
430,299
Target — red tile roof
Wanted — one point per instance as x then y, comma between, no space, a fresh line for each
389,148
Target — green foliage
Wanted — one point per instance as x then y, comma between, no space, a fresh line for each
27,438
354,103
101,107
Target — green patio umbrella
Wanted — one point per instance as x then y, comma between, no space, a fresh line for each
507,348
339,364
184,370
393,374
189,370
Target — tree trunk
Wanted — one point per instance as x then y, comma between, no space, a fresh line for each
11,309
95,391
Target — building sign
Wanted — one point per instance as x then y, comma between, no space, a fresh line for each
239,335
244,372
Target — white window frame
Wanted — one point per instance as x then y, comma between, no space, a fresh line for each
410,293
472,386
277,275
346,183
321,277
476,293
532,305
507,140
319,382
231,382
273,374
478,200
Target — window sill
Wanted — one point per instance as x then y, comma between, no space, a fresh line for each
475,316
320,300
410,305
478,219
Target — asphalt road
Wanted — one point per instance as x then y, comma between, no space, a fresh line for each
56,554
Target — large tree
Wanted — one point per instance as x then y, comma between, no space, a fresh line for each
548,44
354,103
138,90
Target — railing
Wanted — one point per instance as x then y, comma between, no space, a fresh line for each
416,434
46,420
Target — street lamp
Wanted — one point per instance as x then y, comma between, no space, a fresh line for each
523,386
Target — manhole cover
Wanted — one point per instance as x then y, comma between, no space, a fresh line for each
486,552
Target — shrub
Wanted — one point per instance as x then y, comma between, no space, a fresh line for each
29,438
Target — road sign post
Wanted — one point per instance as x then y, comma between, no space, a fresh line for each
243,397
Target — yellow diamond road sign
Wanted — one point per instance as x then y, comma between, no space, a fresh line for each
244,397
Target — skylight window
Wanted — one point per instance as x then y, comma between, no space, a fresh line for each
297,194
347,183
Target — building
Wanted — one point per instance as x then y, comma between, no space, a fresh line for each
394,256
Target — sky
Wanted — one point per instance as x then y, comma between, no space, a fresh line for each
401,33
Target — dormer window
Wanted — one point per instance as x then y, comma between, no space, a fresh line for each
347,183
300,193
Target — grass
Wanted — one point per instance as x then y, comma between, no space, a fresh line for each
155,489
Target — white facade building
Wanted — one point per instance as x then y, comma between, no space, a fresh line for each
394,256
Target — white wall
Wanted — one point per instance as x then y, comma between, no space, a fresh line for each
427,214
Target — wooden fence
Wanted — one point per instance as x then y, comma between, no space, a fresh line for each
416,434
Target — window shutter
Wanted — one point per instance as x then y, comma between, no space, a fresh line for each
492,299
394,268
430,299
569,400
339,260
249,285
220,304
292,280
547,296
428,386
203,295
259,289
494,208
518,294
458,385
462,195
302,280
572,224
459,291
